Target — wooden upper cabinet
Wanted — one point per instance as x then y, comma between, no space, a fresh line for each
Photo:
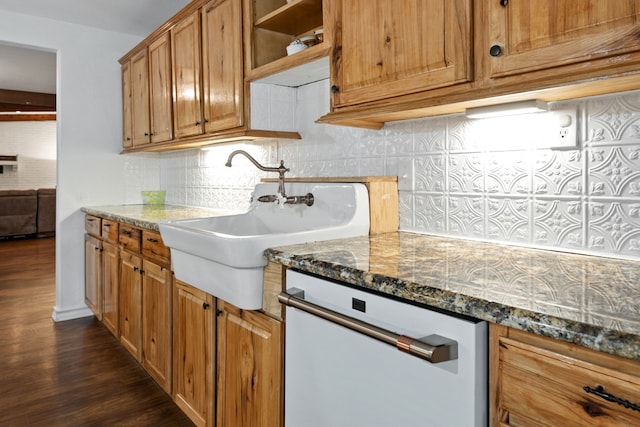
384,49
185,54
127,139
222,63
140,98
531,35
160,89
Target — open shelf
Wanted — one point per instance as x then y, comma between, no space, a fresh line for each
294,18
295,70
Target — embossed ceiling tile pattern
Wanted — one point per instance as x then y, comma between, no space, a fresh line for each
558,172
559,223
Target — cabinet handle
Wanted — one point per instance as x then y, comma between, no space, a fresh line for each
335,89
599,391
206,120
197,123
96,248
135,268
128,139
495,50
219,312
152,240
106,225
205,305
126,233
146,134
504,3
90,219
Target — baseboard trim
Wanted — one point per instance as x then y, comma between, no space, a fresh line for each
69,314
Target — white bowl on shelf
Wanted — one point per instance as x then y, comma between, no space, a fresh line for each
296,46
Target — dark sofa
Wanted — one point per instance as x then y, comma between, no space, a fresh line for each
27,213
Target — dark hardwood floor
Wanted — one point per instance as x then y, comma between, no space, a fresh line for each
71,373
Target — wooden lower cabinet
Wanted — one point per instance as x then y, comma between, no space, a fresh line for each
156,322
222,365
130,303
110,279
194,353
250,368
93,274
537,381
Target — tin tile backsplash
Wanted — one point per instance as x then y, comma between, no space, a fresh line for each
452,180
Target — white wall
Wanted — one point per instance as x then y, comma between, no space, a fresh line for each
35,145
90,170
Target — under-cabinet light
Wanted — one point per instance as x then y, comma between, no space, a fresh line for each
510,109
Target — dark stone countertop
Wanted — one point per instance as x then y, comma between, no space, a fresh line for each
588,300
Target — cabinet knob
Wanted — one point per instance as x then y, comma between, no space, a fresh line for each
197,123
504,3
205,305
135,268
206,120
146,134
335,89
495,50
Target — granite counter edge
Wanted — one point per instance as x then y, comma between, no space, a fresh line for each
151,225
601,339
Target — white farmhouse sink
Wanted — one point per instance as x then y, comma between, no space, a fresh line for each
223,255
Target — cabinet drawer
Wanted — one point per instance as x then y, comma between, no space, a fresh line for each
129,238
110,230
152,245
93,225
543,388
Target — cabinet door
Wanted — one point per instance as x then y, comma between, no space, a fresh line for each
388,48
140,99
222,65
127,139
529,35
130,296
110,287
93,274
185,54
249,368
160,89
194,356
156,322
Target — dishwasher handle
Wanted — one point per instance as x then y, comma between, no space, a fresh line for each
432,348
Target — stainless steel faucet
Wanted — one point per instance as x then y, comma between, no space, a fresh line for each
281,170
307,199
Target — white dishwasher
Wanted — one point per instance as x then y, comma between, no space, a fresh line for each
340,370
